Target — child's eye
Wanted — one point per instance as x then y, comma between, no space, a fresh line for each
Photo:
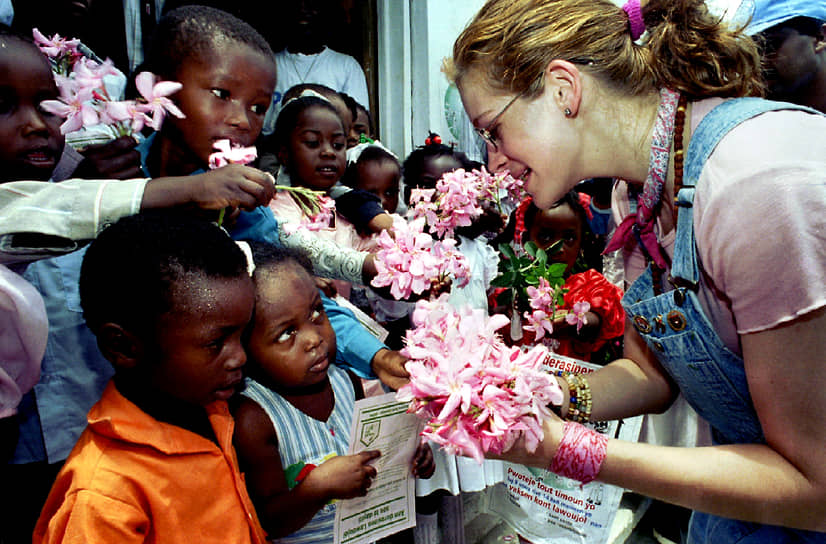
317,315
216,345
259,109
285,336
570,237
6,102
312,144
223,94
338,146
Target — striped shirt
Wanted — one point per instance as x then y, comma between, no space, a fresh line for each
303,439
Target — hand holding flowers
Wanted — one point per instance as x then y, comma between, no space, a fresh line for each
478,395
85,100
410,260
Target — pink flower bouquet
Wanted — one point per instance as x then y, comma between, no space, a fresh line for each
84,97
410,260
461,196
477,394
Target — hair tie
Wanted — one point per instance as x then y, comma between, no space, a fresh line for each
305,93
433,139
354,152
632,8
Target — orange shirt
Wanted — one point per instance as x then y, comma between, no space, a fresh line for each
132,478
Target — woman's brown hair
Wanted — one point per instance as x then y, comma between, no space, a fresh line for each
685,49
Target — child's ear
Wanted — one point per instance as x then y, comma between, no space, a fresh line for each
283,156
120,346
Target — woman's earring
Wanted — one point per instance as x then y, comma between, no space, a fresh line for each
568,112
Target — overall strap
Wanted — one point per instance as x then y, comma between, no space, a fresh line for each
714,126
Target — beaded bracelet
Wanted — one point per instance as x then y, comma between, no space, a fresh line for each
579,400
580,453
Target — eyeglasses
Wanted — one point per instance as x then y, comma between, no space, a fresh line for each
485,132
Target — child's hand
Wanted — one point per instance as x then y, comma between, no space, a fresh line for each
234,185
423,463
326,285
388,366
117,159
587,333
346,476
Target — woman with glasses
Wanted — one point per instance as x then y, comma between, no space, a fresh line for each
722,224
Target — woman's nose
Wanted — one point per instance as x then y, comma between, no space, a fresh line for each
497,161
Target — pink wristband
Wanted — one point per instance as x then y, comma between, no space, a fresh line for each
580,453
632,8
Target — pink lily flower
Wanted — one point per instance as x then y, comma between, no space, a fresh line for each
227,153
577,315
126,111
56,45
74,106
156,95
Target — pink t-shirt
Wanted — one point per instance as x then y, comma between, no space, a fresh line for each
759,222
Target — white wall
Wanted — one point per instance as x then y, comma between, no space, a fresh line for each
414,37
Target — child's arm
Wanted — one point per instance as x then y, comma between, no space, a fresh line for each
42,219
424,465
280,509
362,209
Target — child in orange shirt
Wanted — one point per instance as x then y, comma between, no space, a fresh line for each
168,297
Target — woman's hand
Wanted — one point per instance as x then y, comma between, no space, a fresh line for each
544,453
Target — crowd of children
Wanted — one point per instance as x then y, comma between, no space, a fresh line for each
182,380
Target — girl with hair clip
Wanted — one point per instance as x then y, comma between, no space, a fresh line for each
604,319
727,309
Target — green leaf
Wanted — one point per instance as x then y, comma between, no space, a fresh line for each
507,251
530,248
557,269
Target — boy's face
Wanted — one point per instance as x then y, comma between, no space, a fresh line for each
30,138
224,96
361,125
316,153
292,341
199,352
381,178
559,223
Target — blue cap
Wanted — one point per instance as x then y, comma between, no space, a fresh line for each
768,13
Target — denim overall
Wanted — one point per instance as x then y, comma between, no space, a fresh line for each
710,376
